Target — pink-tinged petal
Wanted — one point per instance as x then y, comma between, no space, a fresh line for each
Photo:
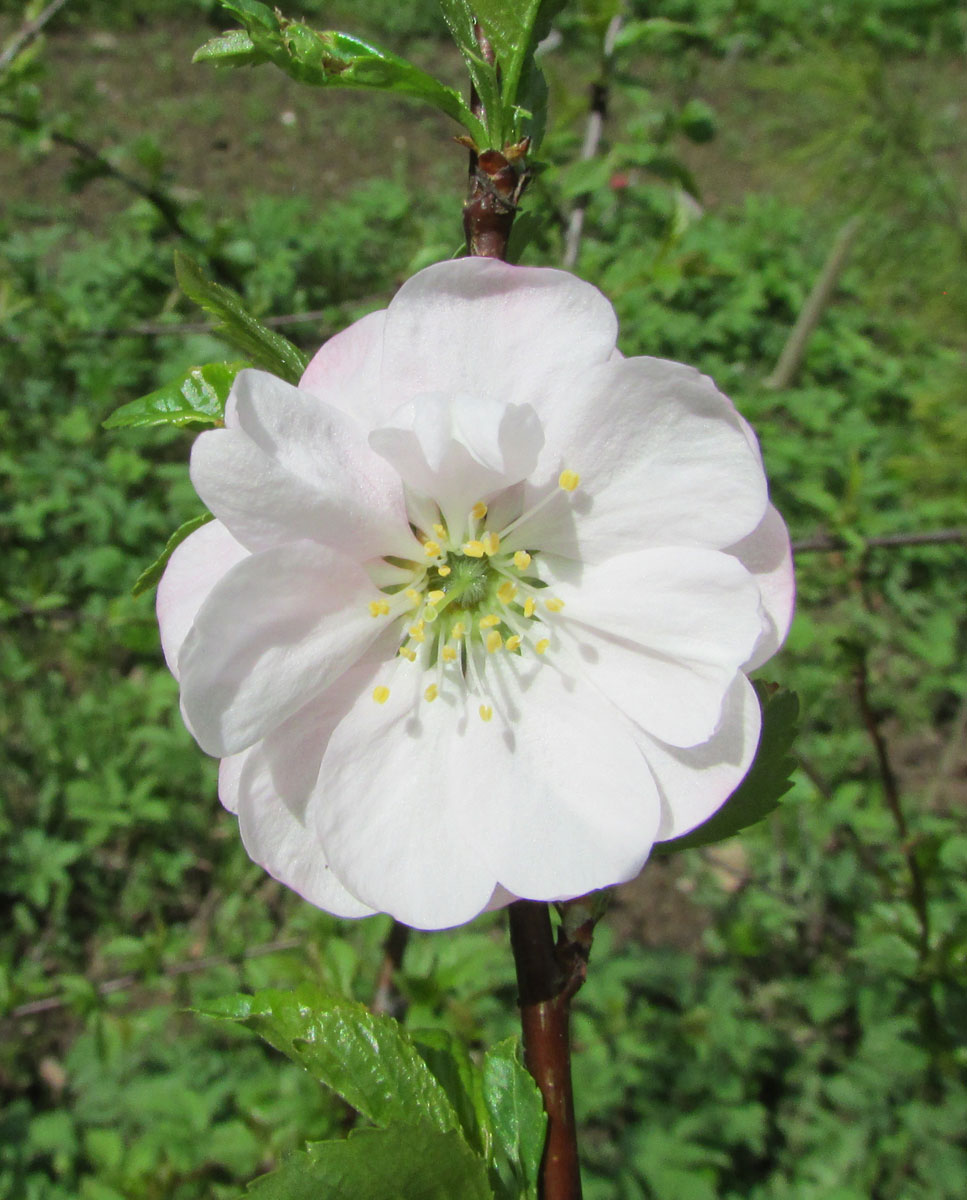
483,328
767,553
572,804
662,457
229,777
459,449
694,783
345,372
396,811
661,633
288,466
192,571
281,844
275,632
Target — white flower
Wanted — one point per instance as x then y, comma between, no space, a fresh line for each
474,617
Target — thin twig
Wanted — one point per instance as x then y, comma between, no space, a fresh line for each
28,31
795,347
929,537
51,1003
597,112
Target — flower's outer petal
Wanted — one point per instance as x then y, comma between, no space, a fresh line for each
400,815
276,631
287,466
194,568
767,553
572,804
229,776
662,633
345,372
695,783
483,328
278,841
662,457
460,448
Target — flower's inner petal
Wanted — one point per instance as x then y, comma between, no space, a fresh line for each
397,808
486,329
694,783
572,805
292,467
275,632
459,448
662,457
661,632
346,372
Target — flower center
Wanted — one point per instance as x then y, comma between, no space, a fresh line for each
467,600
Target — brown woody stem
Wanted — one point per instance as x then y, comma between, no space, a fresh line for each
548,976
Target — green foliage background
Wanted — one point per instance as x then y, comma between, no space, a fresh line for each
765,1019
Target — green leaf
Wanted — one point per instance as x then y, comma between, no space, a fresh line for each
328,59
198,397
766,783
406,1162
516,1112
450,1063
514,29
150,575
264,347
368,1060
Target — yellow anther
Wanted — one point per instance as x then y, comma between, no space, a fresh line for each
522,560
413,595
430,613
431,549
407,653
494,641
458,629
378,608
486,712
440,531
416,632
473,549
568,480
490,543
489,621
529,606
444,571
554,604
381,694
513,643
431,692
542,645
435,597
506,592
449,653
479,511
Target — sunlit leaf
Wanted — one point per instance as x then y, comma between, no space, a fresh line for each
197,397
150,575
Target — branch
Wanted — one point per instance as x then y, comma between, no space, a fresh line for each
930,537
548,977
387,997
28,31
795,348
598,110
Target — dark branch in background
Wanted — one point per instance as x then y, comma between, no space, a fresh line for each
166,206
929,537
28,31
387,997
598,111
51,1003
793,351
